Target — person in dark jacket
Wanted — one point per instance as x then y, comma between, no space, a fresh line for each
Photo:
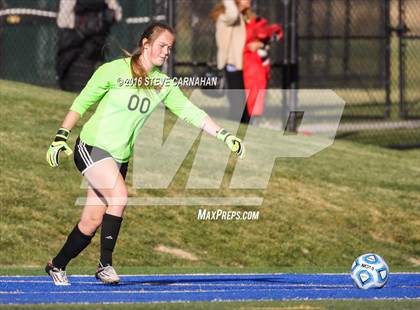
84,26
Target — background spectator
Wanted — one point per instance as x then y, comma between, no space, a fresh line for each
230,39
83,29
256,70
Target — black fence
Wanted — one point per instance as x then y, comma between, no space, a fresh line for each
366,51
346,44
408,30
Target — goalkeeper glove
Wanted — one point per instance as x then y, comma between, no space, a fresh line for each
59,144
234,144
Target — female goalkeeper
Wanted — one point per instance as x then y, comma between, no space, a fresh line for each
107,139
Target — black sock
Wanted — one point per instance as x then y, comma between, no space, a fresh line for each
109,234
76,243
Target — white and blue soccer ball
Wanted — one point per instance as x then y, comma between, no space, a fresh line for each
369,271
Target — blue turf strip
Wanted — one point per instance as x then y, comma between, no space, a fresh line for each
183,288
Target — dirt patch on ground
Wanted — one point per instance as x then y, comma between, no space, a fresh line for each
176,252
414,261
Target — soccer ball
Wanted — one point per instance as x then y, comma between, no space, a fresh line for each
369,271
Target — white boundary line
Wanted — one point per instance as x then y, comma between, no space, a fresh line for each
225,300
208,274
152,283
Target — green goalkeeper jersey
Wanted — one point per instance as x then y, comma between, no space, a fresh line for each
123,108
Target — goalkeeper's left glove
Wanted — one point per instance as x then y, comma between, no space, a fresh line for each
234,143
59,144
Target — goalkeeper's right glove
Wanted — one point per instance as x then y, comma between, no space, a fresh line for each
234,143
59,144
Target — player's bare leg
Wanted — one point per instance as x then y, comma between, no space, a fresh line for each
105,178
104,206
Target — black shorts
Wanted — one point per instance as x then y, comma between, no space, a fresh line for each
85,156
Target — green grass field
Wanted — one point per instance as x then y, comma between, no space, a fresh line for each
266,305
318,213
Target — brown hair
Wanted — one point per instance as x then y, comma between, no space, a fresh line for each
248,15
152,31
220,9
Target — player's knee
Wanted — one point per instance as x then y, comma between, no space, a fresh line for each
118,197
88,225
96,221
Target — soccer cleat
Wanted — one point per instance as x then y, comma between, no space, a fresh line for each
58,275
107,274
